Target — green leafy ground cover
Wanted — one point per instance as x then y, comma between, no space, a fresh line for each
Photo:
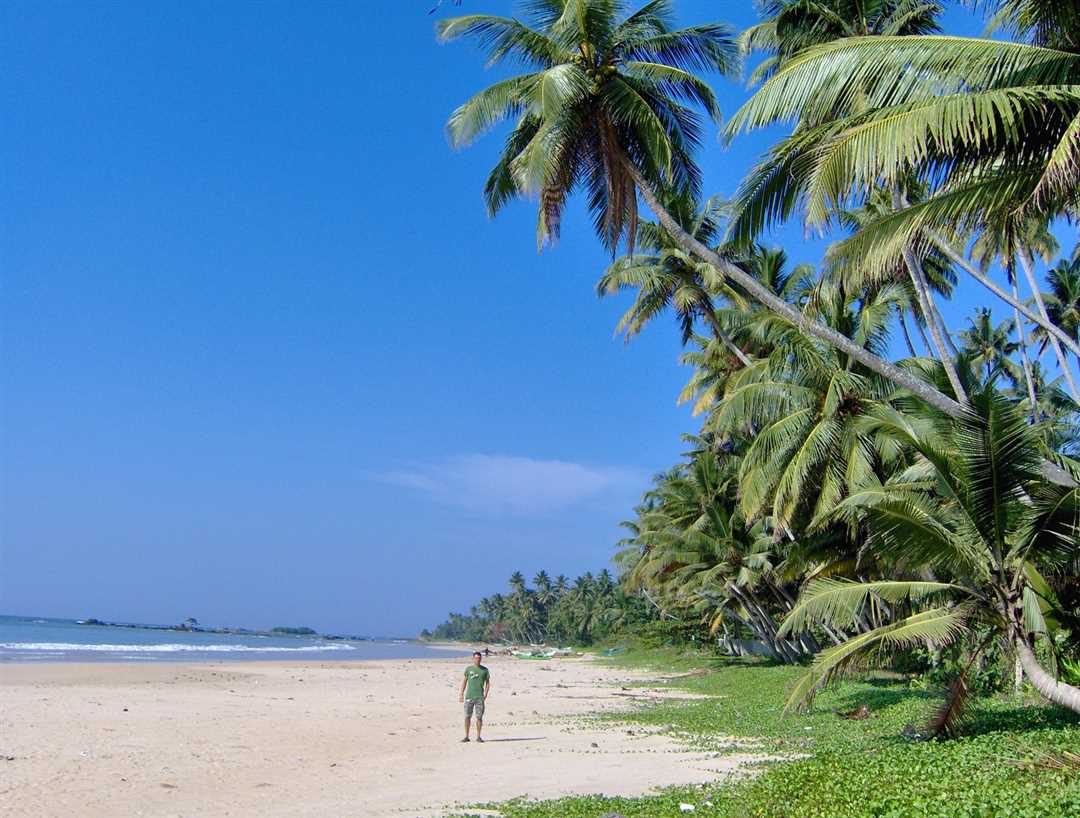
853,768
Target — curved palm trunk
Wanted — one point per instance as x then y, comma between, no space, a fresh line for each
774,302
1028,264
958,259
1058,692
764,626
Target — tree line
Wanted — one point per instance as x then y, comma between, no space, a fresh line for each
588,609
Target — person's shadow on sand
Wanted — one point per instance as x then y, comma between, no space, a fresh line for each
533,738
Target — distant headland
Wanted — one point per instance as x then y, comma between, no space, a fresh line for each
191,625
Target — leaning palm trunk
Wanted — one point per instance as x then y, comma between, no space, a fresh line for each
1028,264
1050,688
765,627
919,325
778,305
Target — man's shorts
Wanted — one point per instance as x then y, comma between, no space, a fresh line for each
474,706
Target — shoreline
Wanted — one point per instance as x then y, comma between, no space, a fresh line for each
307,737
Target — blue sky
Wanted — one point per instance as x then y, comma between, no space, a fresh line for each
265,358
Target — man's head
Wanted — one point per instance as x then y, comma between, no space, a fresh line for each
476,657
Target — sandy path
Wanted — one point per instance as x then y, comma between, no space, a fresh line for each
369,739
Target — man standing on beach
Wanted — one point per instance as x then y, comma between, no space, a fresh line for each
474,692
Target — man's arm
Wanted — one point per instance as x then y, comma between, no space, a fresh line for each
461,693
487,686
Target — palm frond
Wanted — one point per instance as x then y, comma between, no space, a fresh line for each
837,602
943,625
501,37
876,72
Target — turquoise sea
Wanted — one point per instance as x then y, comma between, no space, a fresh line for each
37,639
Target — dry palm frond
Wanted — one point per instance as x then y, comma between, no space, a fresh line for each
949,719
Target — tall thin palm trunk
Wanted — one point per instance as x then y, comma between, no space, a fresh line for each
920,326
930,315
929,310
904,329
1028,265
1021,338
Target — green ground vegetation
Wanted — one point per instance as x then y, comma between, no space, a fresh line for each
1002,763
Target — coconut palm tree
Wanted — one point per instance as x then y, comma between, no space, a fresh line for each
517,583
976,514
802,407
790,26
923,278
665,277
697,554
992,124
544,589
607,108
1063,300
989,347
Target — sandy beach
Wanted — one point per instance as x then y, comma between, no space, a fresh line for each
374,738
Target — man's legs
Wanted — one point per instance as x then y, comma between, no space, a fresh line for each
467,721
479,727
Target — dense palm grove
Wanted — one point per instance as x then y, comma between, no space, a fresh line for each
555,610
840,505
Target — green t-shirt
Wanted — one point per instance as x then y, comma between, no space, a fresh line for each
475,677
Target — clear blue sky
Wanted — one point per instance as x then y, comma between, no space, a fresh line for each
265,358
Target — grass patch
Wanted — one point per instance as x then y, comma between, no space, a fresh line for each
872,767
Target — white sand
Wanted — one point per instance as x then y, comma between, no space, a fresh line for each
377,738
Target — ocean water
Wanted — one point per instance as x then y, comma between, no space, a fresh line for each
37,639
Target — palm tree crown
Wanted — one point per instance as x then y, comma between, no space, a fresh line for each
607,88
